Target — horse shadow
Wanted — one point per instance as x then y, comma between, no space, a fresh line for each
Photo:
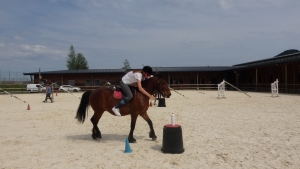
156,148
105,137
110,137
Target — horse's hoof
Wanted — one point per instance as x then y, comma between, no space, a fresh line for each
96,137
153,136
132,140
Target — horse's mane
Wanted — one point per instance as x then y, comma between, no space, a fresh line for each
149,81
150,78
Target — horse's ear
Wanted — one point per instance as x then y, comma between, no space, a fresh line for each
159,75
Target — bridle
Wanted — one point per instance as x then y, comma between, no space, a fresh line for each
160,88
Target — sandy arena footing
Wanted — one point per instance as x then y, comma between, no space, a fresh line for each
233,132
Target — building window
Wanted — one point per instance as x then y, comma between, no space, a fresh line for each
192,81
213,81
175,81
271,78
96,82
88,82
202,81
251,80
180,81
71,82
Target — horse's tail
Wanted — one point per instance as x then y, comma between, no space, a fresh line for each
83,106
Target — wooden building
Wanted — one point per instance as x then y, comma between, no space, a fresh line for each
250,76
258,75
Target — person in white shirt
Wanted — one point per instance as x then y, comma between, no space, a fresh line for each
130,78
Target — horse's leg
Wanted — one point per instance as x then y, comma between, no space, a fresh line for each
148,120
132,126
95,119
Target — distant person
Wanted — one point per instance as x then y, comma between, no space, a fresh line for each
133,77
48,93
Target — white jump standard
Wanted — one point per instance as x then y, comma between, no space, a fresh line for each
221,89
274,88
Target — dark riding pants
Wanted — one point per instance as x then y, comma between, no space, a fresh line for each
48,97
127,91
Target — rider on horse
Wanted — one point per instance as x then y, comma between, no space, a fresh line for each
130,78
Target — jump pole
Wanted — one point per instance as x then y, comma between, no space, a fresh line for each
52,91
28,107
72,94
237,88
178,92
13,96
68,92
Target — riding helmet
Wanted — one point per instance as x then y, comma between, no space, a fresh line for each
147,69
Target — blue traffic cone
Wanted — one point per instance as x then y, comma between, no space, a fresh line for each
127,147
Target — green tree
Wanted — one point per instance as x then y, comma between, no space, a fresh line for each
76,61
71,60
81,62
126,64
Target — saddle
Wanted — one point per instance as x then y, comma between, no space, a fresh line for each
119,94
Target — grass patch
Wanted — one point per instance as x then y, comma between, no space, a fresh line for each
13,87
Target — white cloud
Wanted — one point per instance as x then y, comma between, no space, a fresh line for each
29,51
40,49
121,29
226,4
56,0
35,49
275,2
18,38
97,4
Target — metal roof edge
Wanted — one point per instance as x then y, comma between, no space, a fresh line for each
160,69
268,59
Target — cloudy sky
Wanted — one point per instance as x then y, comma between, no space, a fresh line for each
38,33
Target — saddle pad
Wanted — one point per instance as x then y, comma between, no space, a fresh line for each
118,94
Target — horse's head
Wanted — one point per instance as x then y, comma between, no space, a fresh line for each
157,84
163,87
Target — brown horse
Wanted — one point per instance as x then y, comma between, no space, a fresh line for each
102,99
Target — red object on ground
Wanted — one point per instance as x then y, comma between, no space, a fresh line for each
172,126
